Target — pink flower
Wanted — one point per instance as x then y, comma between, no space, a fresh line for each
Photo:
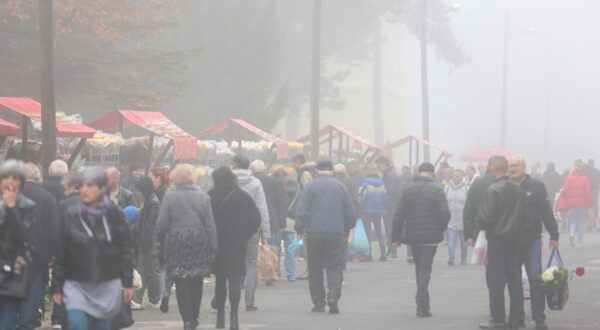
579,271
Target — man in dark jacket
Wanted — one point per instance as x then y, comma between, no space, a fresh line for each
119,195
44,238
503,217
421,218
553,181
57,170
326,215
538,211
475,199
392,187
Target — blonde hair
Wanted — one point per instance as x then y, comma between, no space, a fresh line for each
33,172
183,174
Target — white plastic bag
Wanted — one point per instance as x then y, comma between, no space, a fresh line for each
137,280
480,250
525,283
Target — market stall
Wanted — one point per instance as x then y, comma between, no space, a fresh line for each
482,155
234,130
414,144
30,112
348,143
155,123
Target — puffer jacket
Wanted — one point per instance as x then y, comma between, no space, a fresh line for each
95,258
422,215
373,196
504,212
254,188
577,190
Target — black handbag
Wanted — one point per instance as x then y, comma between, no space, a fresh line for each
124,319
12,284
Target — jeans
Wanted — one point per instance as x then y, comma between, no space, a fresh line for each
377,223
79,320
532,259
29,314
251,270
325,252
9,309
189,297
149,269
423,255
578,218
504,268
235,288
290,257
453,236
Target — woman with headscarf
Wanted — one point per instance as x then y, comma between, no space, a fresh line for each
237,219
17,217
148,250
191,240
93,273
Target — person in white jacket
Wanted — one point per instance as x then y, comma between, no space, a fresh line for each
456,194
252,186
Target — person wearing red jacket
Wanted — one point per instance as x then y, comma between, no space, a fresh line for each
577,192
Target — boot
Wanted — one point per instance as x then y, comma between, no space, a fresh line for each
188,326
220,319
234,323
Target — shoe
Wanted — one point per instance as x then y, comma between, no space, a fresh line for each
463,262
189,326
164,305
333,308
251,308
304,276
291,279
318,309
492,325
56,327
220,319
135,306
269,283
234,323
541,325
195,323
424,314
451,262
410,261
149,306
383,258
366,259
572,241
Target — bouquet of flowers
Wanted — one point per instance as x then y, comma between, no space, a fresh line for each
555,282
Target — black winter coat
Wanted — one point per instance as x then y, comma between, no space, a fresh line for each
54,186
93,259
393,188
47,218
422,215
147,222
276,202
237,219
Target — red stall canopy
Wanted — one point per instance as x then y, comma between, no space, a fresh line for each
32,109
482,155
184,145
280,144
8,129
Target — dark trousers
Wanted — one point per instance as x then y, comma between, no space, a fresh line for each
326,252
377,222
235,289
504,268
189,297
29,314
423,256
388,222
532,259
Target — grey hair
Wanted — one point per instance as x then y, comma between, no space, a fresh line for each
258,166
33,172
58,168
96,174
13,167
340,169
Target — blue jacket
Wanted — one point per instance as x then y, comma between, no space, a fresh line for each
325,207
373,196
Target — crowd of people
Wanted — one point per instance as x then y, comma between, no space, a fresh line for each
91,229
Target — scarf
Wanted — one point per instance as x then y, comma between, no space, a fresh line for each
97,210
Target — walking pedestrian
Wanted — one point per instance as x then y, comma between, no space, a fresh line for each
420,220
93,274
456,194
148,249
373,199
503,217
290,187
539,211
136,171
57,170
340,174
252,186
594,175
160,181
578,193
326,215
17,218
393,190
119,195
237,220
305,173
186,219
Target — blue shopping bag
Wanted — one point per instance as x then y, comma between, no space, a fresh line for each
359,246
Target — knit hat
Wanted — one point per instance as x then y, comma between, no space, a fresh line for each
426,167
324,165
131,213
145,186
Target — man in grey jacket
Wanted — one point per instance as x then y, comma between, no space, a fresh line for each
251,185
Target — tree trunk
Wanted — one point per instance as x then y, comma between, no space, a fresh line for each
46,25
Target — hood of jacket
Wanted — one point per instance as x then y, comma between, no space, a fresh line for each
244,176
455,186
373,181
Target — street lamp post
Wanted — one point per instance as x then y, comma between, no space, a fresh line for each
424,81
504,83
316,75
46,23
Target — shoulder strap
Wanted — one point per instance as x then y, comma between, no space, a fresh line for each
225,200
